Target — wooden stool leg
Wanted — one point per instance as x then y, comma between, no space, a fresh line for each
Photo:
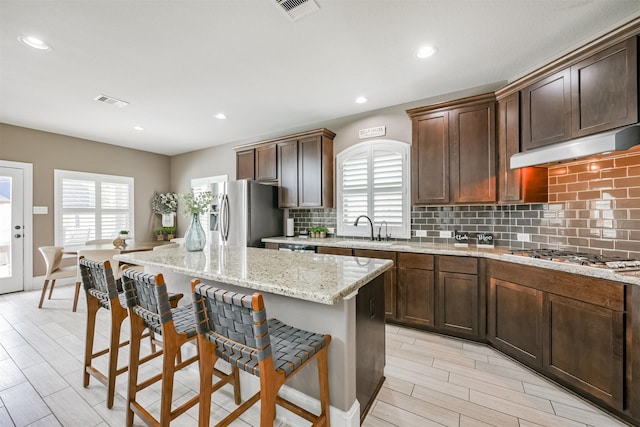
53,283
236,385
168,372
268,393
207,362
137,327
92,310
44,292
323,376
75,297
117,317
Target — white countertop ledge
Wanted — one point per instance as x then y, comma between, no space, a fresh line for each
325,279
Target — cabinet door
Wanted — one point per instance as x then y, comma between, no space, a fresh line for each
546,111
514,321
288,174
526,185
473,153
390,279
269,245
266,166
458,296
604,90
430,158
310,172
416,290
245,164
584,347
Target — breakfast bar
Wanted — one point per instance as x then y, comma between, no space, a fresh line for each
340,296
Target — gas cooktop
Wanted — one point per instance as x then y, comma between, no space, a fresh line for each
581,258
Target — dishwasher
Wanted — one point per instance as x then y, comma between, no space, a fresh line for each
293,247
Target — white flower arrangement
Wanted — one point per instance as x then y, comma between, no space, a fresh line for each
197,203
164,203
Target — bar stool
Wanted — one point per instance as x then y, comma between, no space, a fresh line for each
148,304
96,255
102,292
234,327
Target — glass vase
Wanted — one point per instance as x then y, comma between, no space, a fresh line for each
195,237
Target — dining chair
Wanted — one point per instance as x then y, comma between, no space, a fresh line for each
52,257
234,327
96,255
148,305
179,240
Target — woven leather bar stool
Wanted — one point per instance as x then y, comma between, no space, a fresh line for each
102,292
148,304
234,327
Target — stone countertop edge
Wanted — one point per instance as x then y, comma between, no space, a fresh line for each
497,253
270,277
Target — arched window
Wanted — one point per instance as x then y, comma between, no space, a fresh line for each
373,180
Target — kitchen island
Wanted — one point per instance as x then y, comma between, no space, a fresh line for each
341,296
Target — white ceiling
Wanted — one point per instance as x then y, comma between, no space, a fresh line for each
179,63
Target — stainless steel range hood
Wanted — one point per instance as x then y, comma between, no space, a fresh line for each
615,140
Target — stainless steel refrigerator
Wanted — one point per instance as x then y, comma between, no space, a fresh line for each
244,213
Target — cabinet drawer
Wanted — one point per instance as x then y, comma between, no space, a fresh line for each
458,264
334,251
411,260
375,254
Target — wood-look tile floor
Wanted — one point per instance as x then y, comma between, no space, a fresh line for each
432,380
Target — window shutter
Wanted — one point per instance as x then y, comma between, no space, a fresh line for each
91,206
373,180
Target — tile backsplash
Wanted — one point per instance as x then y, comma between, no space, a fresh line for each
593,206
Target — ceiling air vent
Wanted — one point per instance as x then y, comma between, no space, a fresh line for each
296,9
111,101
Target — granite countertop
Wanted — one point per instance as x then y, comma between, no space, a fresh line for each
325,279
497,253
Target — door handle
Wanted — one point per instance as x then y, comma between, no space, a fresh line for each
17,227
227,219
17,236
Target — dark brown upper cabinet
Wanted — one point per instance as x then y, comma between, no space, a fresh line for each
266,164
430,158
525,185
595,94
604,90
453,154
245,164
288,173
546,111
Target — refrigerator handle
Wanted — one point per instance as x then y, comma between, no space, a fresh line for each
225,209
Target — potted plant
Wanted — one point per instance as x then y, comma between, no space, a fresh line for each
159,233
322,232
123,234
169,232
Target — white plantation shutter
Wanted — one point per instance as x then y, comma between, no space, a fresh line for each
91,206
373,180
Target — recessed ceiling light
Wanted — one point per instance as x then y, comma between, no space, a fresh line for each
138,128
426,51
361,100
221,116
34,42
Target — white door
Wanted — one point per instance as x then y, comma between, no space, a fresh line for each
11,230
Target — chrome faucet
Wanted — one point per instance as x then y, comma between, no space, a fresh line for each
386,231
370,224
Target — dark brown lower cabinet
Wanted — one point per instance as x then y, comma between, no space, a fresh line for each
584,346
569,327
331,250
416,289
389,279
514,321
458,295
269,245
